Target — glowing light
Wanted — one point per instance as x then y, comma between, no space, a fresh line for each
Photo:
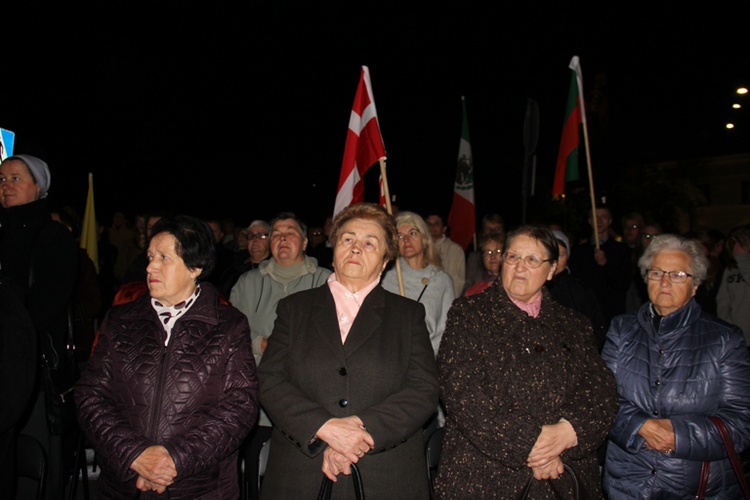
742,90
736,106
730,126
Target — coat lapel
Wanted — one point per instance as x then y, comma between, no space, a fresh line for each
325,323
368,320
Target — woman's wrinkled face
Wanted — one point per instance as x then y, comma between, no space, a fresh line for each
520,281
169,279
666,296
491,251
287,242
359,254
17,185
410,241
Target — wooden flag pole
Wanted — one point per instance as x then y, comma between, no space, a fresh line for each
591,182
387,195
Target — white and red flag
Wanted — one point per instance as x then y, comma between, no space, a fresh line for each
364,145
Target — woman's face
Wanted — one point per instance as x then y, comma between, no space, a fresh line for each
287,242
666,296
169,280
359,254
410,242
562,259
491,251
17,184
520,281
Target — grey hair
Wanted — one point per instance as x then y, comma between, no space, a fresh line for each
259,222
673,242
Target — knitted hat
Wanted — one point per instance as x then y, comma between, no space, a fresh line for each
562,238
39,170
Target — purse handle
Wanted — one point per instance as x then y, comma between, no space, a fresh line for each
576,492
326,485
733,459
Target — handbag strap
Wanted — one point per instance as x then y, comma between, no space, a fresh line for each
576,492
326,485
733,458
703,483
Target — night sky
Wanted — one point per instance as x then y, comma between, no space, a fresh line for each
228,110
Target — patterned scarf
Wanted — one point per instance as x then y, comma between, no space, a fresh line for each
170,314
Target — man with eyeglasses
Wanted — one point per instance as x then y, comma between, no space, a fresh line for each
257,250
606,269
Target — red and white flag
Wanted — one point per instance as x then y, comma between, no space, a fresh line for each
382,201
364,146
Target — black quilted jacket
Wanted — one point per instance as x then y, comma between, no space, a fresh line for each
198,396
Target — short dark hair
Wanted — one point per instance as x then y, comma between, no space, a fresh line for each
538,233
289,215
195,241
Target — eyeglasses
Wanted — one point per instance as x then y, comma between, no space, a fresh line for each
649,236
490,253
411,235
674,276
257,236
531,261
316,233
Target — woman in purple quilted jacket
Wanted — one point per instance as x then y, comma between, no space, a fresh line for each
171,390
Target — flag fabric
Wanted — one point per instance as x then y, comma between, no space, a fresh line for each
88,228
364,145
462,217
575,115
7,138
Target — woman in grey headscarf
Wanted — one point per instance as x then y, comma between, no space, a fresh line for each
38,255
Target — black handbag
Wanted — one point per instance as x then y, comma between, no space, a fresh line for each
59,376
327,485
568,472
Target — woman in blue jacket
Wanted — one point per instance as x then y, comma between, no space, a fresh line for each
675,367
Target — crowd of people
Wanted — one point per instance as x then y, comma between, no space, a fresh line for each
540,353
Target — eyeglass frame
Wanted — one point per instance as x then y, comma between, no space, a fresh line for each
525,260
257,236
490,253
669,274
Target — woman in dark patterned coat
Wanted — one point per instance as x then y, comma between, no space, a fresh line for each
171,390
523,386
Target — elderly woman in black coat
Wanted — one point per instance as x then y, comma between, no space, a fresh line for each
349,375
171,390
524,389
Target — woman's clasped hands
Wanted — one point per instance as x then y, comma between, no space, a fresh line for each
554,439
348,441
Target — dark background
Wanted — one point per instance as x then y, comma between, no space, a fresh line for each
237,109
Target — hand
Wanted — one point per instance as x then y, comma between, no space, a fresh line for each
552,441
335,463
659,435
263,344
551,470
600,257
146,485
347,436
156,466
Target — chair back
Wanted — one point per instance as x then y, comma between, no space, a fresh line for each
31,462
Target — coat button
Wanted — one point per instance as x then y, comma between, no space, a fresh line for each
656,412
342,371
343,403
658,382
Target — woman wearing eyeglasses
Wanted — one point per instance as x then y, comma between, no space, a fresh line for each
675,366
491,246
523,386
424,280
